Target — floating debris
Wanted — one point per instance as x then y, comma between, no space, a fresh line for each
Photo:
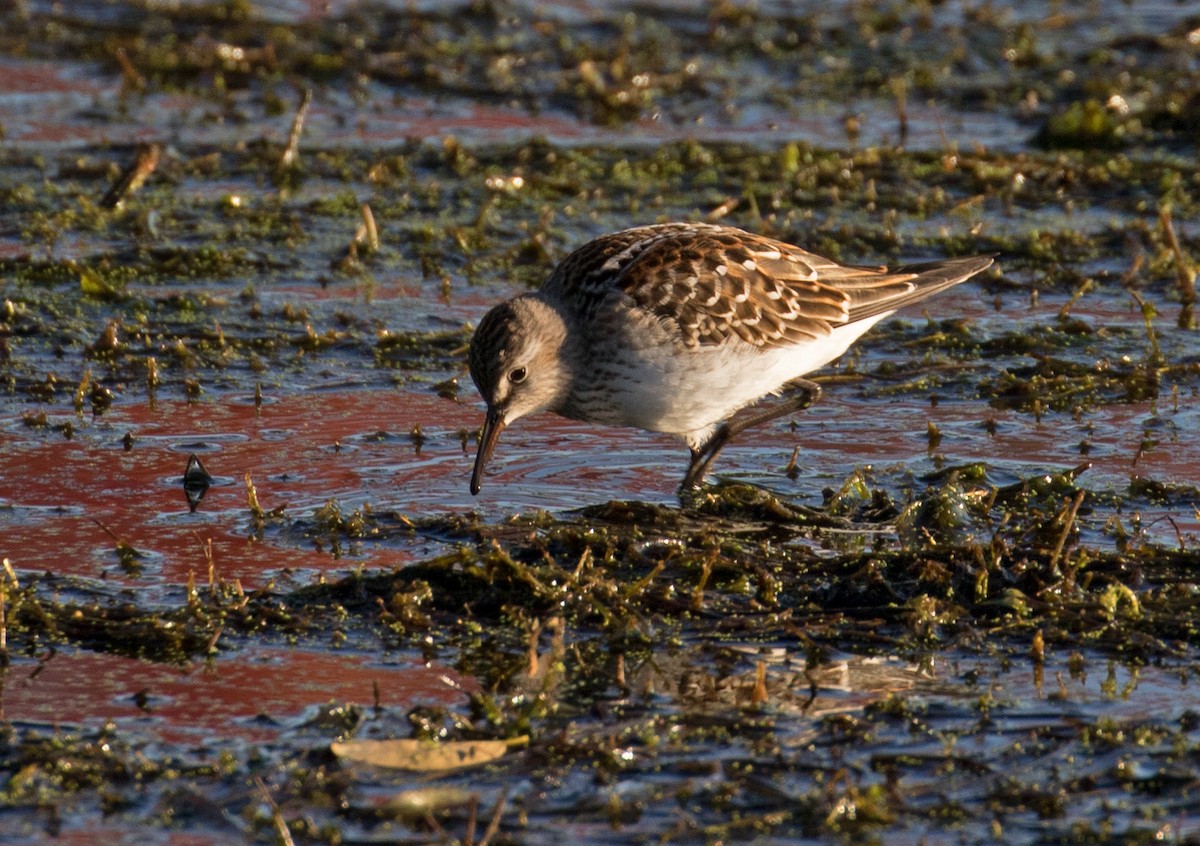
133,177
424,756
196,481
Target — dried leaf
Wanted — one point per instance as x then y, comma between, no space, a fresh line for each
421,755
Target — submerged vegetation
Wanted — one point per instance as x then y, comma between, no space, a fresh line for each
998,647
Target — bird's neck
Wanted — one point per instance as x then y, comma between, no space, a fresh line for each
560,349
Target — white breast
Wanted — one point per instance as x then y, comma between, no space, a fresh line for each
663,388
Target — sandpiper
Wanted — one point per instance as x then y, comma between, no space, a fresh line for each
675,327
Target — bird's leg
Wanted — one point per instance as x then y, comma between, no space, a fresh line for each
803,393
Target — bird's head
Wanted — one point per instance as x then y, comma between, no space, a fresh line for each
517,364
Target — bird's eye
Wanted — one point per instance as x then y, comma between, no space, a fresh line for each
517,375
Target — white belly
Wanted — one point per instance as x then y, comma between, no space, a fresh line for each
679,391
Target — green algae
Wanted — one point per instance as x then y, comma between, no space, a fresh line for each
122,285
627,639
581,593
1088,125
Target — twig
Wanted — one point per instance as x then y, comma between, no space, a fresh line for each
472,820
277,820
1185,272
368,232
494,822
1156,356
211,646
291,153
899,86
133,177
366,236
1135,263
256,510
130,74
1068,522
4,619
723,209
759,695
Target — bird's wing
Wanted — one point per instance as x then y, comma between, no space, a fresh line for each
714,282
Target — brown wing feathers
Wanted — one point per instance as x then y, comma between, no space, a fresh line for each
911,283
714,282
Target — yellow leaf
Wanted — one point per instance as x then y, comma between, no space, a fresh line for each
423,756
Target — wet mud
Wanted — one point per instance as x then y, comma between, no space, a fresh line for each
956,601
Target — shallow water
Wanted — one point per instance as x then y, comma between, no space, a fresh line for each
902,695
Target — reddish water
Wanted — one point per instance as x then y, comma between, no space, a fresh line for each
67,499
241,696
65,503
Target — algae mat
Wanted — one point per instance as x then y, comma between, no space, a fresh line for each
242,247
